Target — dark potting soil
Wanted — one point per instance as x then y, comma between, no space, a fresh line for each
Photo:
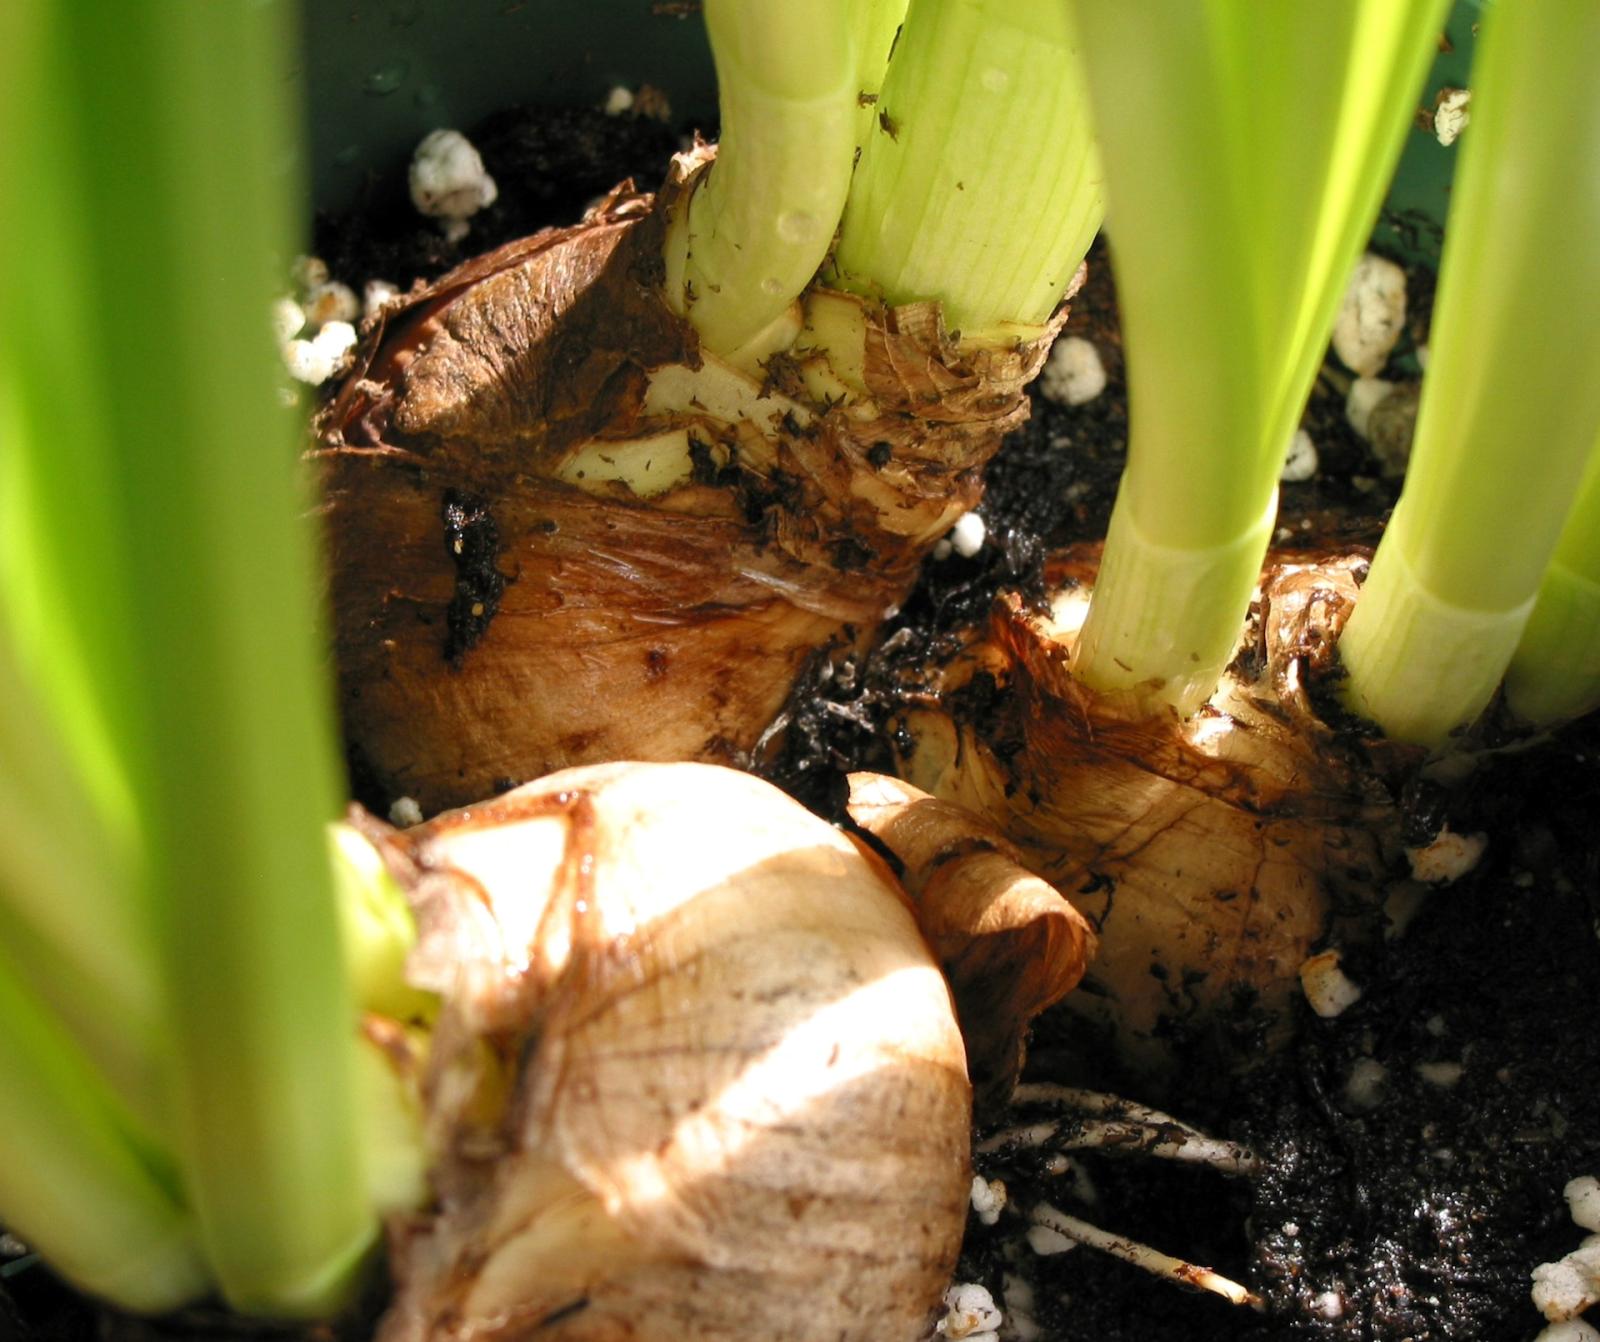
1419,1216
1422,1216
1419,1219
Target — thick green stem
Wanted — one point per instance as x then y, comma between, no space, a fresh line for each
980,187
756,229
166,595
1170,609
877,25
74,1183
1511,406
1555,673
70,850
262,1015
65,911
1247,146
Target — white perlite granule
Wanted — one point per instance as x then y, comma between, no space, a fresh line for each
449,182
1047,1241
1441,1074
308,272
988,1199
405,812
1363,1088
1329,1305
331,302
1450,114
1017,1295
1300,462
968,535
970,1314
288,319
316,360
1327,987
1583,1200
1362,399
1448,858
1372,315
1564,1289
1074,373
377,295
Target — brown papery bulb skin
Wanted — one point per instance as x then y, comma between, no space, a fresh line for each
697,1074
1211,854
560,532
1010,945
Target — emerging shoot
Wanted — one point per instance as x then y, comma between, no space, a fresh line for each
760,221
1511,405
1246,149
979,184
1555,673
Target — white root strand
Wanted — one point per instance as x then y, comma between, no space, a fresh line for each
1122,1126
1143,1256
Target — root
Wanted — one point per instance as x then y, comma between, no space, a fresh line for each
1143,1256
1118,1126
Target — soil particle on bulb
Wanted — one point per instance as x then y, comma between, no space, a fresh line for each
473,543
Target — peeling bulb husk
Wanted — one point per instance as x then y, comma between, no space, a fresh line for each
650,540
696,1074
1210,853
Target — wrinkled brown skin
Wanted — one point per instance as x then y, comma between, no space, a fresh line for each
1008,943
1212,854
615,627
696,1074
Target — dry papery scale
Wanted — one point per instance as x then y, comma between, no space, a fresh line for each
1212,853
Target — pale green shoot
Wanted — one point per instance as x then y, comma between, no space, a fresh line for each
756,230
377,929
1247,145
979,186
161,603
75,1181
1555,673
1511,404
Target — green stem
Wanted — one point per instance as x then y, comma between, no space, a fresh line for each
980,186
377,929
64,907
877,26
70,848
1511,406
1246,149
758,226
177,544
74,1183
1555,673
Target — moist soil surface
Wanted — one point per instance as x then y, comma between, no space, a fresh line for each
1416,1210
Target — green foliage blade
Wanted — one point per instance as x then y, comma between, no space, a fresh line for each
1511,406
160,596
979,185
1247,144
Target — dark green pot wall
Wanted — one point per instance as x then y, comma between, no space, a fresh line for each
1422,181
380,74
